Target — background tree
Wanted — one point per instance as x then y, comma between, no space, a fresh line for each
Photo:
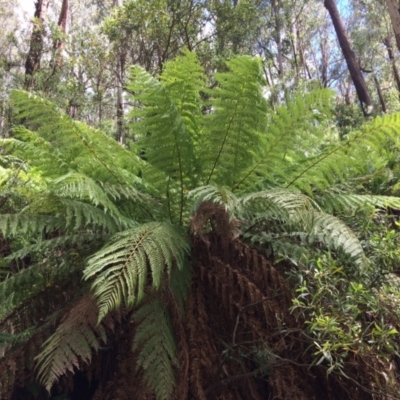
352,64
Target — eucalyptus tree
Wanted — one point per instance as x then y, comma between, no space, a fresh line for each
349,55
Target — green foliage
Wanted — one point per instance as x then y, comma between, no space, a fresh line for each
154,340
168,125
210,159
80,148
121,267
345,316
71,343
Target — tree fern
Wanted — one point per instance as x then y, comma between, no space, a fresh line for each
155,343
221,167
121,268
217,195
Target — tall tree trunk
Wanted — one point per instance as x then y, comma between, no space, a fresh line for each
388,44
32,64
380,95
2,117
347,94
278,37
348,53
120,105
324,63
303,62
395,19
293,40
119,78
58,43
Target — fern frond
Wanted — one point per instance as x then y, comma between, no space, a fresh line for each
121,268
167,124
74,340
292,131
155,343
25,223
82,148
183,79
71,214
44,246
79,186
282,212
19,288
234,126
217,195
40,153
348,158
335,234
338,202
280,204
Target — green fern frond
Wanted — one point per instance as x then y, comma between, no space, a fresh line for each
335,234
348,158
82,148
44,246
79,186
38,151
74,340
71,214
292,131
183,79
341,202
280,204
25,223
167,124
295,214
283,246
233,128
155,343
121,268
19,288
217,195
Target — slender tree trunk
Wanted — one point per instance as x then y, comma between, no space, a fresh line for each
293,39
388,44
120,106
324,63
32,64
121,136
348,53
2,117
58,44
303,61
395,19
278,37
380,95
